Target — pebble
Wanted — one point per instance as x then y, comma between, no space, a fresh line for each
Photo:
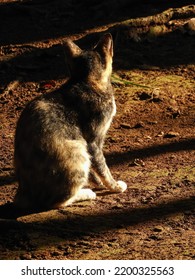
189,27
171,134
125,125
158,229
137,162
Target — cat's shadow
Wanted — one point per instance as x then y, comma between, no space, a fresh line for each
10,212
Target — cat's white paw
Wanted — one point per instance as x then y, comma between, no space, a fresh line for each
91,194
121,186
82,194
86,194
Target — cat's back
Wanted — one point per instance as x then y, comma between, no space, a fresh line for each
46,117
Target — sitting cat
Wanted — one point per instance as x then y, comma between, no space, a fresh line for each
60,135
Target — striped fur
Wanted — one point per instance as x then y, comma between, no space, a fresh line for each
60,135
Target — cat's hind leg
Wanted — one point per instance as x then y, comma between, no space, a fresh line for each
77,169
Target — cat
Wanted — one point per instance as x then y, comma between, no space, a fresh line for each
60,135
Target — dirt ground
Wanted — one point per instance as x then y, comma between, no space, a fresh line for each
150,145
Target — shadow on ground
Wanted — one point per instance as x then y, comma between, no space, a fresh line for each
33,21
71,226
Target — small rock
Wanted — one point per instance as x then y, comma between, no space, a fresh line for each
161,134
158,229
174,111
156,95
144,200
152,96
148,137
116,207
157,30
155,237
138,125
125,125
171,134
112,139
128,126
55,253
189,26
137,162
25,256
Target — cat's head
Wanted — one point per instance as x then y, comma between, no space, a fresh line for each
93,66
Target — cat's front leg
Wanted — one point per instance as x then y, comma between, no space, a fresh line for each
95,180
102,170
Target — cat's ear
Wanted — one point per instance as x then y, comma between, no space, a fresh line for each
105,44
71,49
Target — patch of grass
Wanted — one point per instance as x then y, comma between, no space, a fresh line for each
116,79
